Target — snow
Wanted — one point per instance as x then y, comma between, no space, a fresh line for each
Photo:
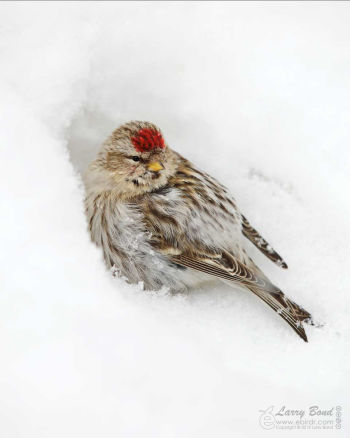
257,94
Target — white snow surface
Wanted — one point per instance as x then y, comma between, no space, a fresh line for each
255,93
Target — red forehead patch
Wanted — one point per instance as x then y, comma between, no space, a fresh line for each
147,140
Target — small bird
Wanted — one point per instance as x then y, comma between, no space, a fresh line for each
163,222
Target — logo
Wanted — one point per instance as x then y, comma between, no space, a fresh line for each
267,419
311,417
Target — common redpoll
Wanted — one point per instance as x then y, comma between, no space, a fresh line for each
163,222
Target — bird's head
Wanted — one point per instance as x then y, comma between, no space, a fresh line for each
135,159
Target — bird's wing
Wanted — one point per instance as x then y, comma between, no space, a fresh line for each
228,268
257,240
176,217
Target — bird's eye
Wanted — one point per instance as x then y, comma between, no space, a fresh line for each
135,158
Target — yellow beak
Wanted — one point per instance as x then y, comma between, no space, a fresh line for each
155,166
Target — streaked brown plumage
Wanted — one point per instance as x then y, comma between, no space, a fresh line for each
163,222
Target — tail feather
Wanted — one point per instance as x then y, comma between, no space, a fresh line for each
254,236
232,271
292,313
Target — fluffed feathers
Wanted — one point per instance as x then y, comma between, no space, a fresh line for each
163,222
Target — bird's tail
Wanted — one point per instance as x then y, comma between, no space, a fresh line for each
291,312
